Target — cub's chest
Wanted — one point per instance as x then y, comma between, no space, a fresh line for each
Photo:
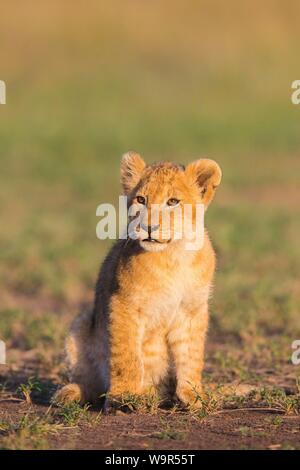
169,291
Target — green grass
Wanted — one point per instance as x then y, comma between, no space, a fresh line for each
67,121
29,432
129,402
32,430
73,414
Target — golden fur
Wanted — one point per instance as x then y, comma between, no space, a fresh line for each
148,326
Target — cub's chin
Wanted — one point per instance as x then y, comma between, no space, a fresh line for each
153,245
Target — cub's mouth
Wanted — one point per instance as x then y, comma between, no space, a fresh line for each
154,240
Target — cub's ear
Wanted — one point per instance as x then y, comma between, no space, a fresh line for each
132,166
206,174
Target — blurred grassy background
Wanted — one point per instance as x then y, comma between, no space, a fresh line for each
87,81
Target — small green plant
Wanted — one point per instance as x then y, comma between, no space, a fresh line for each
168,432
73,414
278,399
30,432
4,425
245,430
141,403
277,421
33,385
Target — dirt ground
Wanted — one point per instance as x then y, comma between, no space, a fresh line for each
246,420
231,430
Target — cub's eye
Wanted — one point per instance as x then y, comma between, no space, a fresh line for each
173,201
141,200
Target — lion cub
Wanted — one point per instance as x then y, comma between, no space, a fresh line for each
148,326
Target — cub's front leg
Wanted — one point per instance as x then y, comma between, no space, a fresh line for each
126,366
187,342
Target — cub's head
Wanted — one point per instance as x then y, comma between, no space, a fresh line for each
163,198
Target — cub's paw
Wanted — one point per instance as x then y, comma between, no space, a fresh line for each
68,394
191,397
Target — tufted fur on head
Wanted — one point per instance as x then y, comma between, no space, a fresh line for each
204,173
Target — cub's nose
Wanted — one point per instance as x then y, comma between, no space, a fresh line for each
150,228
